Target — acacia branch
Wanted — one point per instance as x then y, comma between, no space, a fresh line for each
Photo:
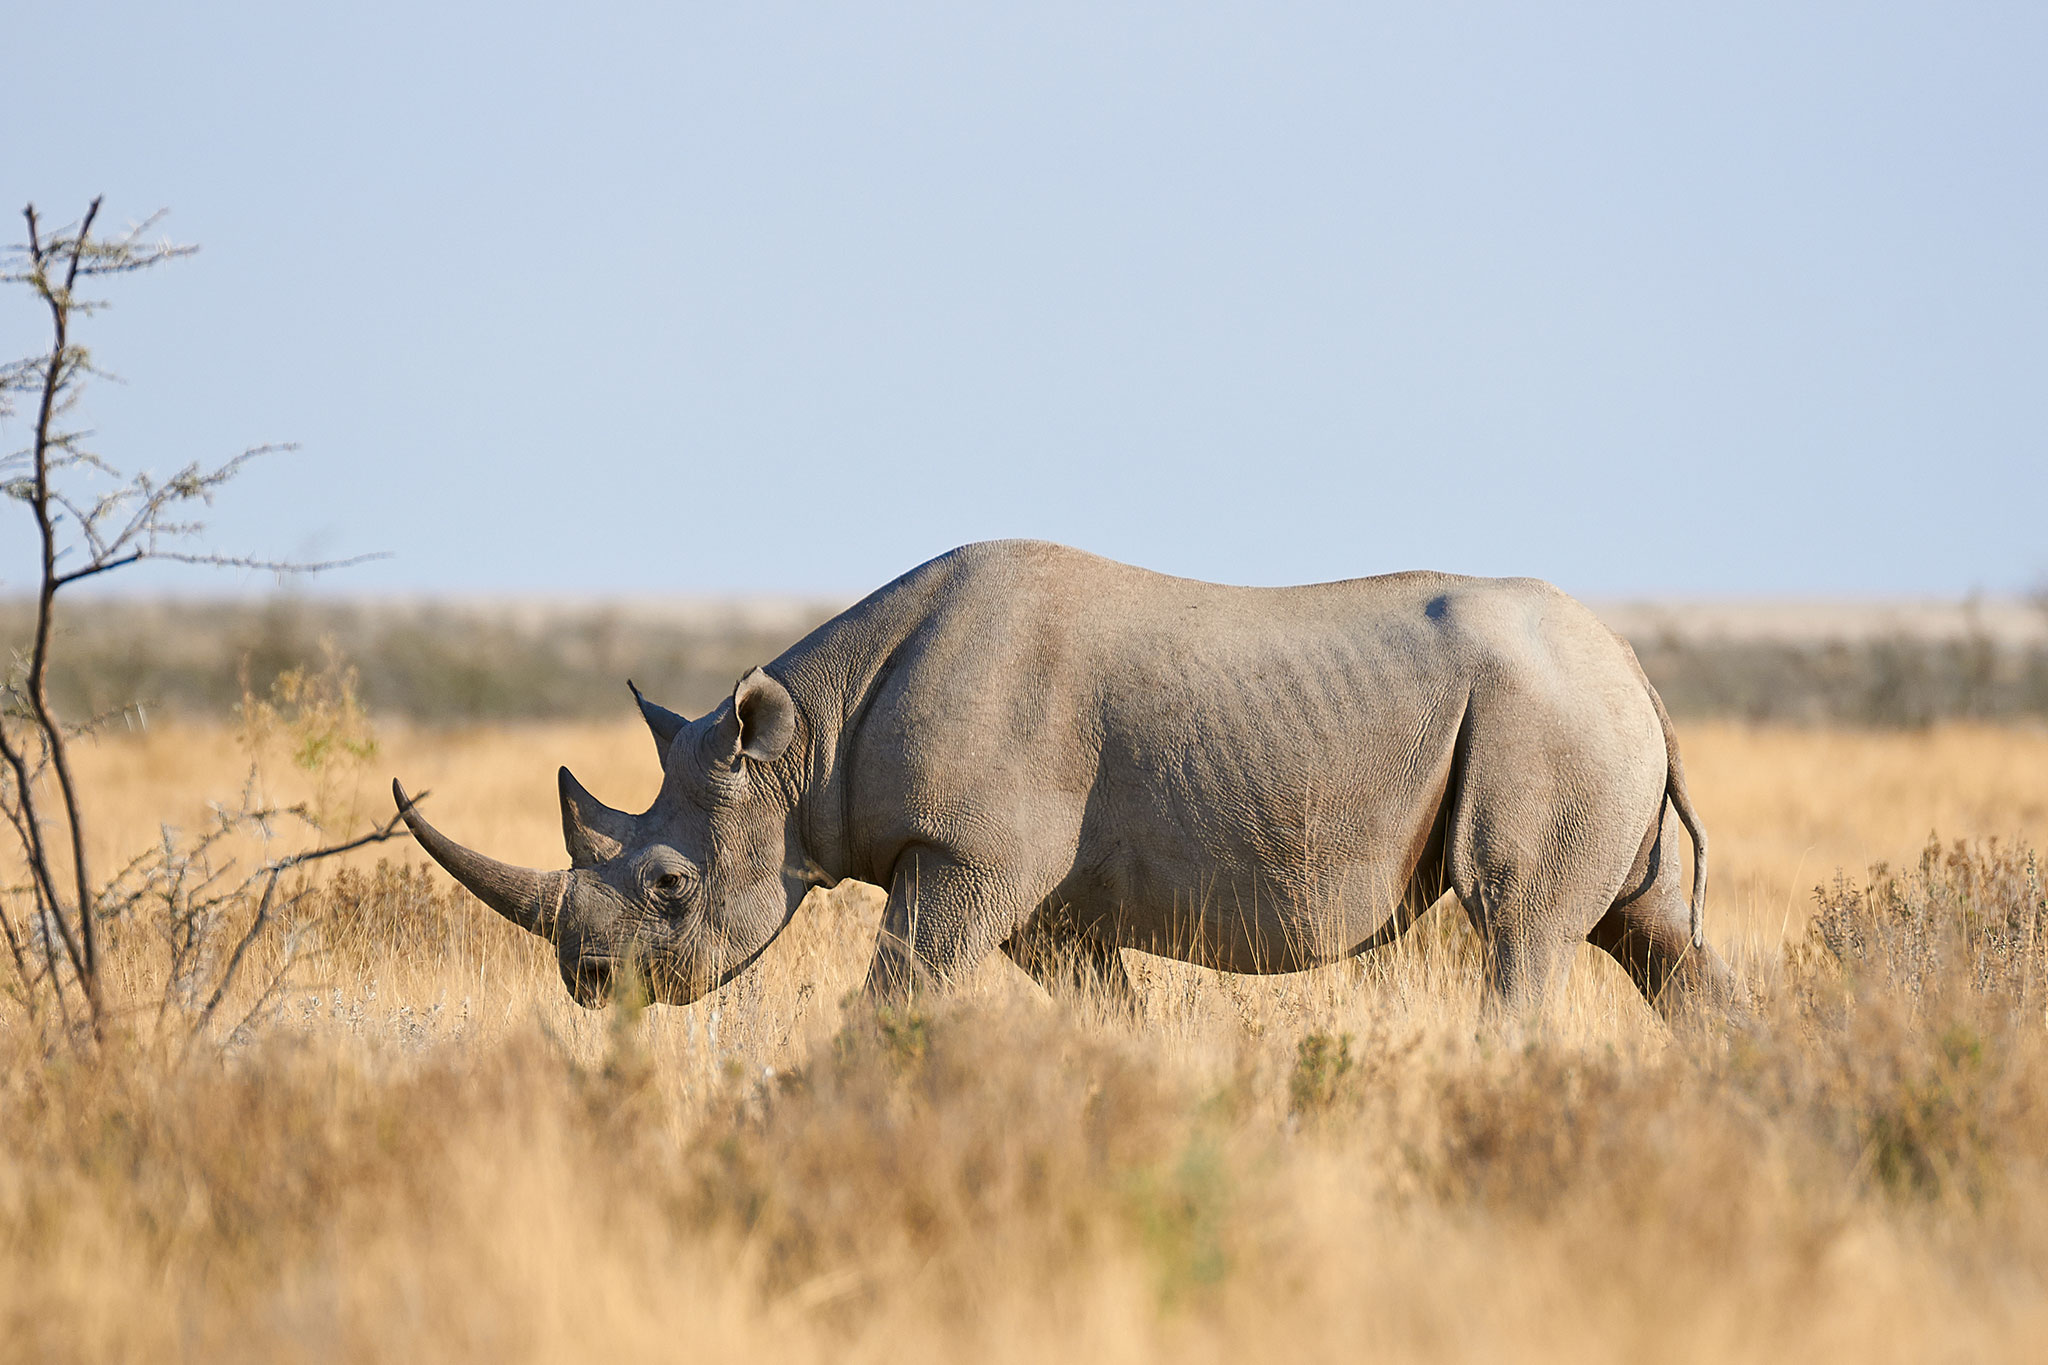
29,829
39,657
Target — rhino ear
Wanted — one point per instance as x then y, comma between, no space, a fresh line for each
766,714
662,721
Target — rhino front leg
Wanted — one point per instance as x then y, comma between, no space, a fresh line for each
945,914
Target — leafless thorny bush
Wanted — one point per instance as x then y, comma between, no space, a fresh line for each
90,519
202,903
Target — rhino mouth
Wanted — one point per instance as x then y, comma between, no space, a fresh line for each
668,984
595,980
592,980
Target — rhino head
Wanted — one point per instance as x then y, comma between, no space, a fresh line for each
684,896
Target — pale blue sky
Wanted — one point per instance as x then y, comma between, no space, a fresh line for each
1642,298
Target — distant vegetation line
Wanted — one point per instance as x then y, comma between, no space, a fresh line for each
1898,681
434,663
447,663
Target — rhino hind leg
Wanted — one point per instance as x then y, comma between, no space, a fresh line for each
1533,893
1072,964
1524,957
1648,931
1539,845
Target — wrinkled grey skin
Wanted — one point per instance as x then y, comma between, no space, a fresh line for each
1045,752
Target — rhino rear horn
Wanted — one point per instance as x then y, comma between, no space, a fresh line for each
530,899
593,831
662,721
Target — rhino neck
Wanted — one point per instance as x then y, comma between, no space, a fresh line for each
808,777
813,770
834,673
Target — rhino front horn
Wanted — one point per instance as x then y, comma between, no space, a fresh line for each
528,898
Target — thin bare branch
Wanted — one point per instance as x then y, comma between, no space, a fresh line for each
389,830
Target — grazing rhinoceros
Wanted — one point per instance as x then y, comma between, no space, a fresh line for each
1060,756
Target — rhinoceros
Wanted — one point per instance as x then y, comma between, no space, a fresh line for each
1041,751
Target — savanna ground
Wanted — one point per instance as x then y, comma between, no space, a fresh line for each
421,1149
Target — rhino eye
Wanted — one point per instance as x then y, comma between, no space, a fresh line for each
667,878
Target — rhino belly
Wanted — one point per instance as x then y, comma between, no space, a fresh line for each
1206,902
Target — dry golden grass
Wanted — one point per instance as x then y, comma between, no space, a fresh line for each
427,1152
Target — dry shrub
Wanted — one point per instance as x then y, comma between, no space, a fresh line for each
1922,999
1966,928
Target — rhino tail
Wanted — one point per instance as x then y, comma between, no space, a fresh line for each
1681,801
